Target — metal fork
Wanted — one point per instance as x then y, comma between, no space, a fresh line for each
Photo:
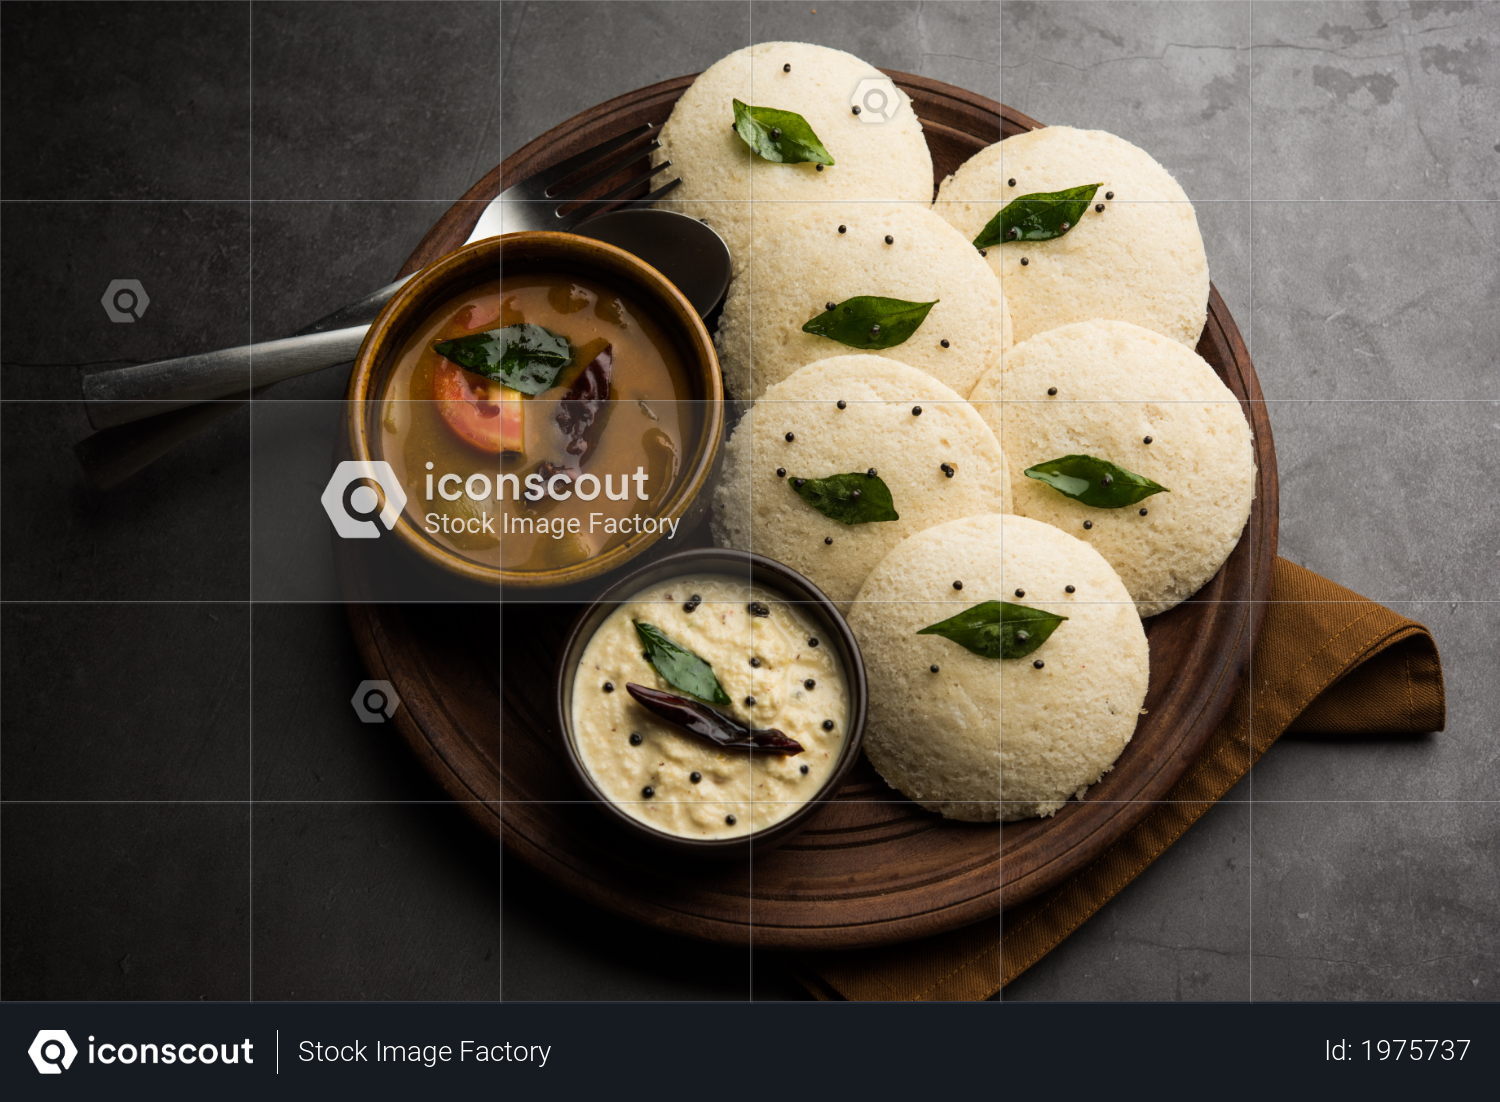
127,394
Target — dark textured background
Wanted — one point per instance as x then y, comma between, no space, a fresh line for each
166,654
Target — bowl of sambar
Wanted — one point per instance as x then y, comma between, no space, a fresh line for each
551,405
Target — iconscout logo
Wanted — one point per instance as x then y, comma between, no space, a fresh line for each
52,1051
351,503
375,701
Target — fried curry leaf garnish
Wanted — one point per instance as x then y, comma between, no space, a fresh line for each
870,322
681,668
1040,216
524,357
780,136
997,629
1094,481
855,498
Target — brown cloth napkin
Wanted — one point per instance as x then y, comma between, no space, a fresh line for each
1327,662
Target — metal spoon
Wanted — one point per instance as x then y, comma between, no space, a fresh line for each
686,251
137,432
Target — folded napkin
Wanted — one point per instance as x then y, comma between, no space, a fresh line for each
1327,662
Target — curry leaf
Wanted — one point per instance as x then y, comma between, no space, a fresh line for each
780,136
681,667
1094,481
856,498
1040,216
870,322
523,357
997,629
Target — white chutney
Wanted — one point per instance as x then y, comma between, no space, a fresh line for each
737,792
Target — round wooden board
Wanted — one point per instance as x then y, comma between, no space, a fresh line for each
475,682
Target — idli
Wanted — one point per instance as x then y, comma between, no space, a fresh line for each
985,738
720,175
1121,393
852,415
1140,259
810,255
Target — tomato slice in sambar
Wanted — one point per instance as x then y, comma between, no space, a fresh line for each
485,413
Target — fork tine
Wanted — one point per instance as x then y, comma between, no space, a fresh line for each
592,205
564,169
659,192
578,191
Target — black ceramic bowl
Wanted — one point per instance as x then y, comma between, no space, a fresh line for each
773,576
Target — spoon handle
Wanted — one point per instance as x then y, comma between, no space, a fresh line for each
130,393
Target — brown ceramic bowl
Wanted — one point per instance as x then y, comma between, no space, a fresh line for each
567,253
770,575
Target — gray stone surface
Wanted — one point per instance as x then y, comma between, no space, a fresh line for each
256,166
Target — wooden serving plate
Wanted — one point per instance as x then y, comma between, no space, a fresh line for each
475,681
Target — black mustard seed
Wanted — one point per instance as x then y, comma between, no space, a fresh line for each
1088,524
799,482
947,469
776,133
813,642
1146,440
889,240
1024,262
916,411
749,701
843,404
780,472
1052,392
843,229
958,585
828,540
828,725
934,669
730,819
609,686
1020,593
809,684
648,792
1011,181
1070,589
695,776
635,738
787,68
944,342
790,437
1038,664
755,663
804,770
1099,208
1109,195
1143,512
